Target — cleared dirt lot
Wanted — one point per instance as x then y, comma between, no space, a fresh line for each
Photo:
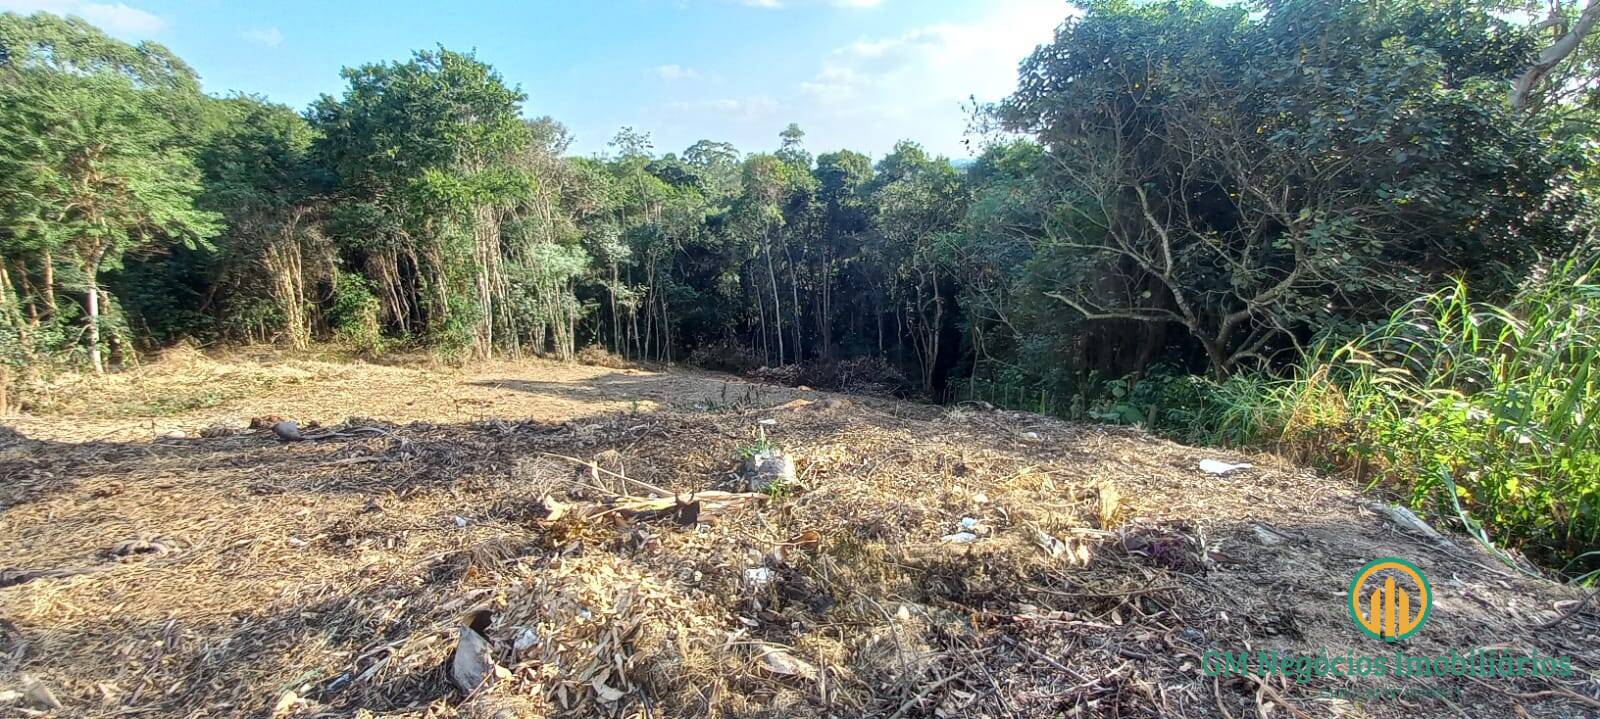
162,559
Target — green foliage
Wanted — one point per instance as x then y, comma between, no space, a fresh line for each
1207,203
1254,178
354,314
1480,411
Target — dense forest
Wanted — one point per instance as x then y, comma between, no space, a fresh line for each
1184,216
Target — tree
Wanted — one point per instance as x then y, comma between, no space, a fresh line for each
1252,179
1568,34
426,148
919,200
791,148
99,173
259,174
842,179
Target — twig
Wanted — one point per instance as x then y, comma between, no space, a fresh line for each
1108,595
657,491
1545,694
1216,690
1572,611
924,694
1069,671
1279,697
999,695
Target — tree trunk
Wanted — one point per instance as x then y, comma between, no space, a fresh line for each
91,272
777,305
794,306
49,282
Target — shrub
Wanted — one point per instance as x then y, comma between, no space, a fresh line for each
355,314
599,356
724,356
1480,412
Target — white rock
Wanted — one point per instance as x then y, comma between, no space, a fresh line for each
526,639
1219,468
960,538
473,661
767,469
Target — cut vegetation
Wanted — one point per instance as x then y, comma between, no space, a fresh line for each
590,522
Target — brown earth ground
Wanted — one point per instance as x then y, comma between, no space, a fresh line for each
157,559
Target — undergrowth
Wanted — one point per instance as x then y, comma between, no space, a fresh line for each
1474,411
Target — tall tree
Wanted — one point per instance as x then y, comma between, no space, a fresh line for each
1251,177
426,148
93,158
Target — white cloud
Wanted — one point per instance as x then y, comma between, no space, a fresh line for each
933,69
748,108
856,3
117,19
675,72
270,37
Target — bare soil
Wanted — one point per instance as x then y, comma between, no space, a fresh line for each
160,558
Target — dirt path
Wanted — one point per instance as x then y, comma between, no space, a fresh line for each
231,574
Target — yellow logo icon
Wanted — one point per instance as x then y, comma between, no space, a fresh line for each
1390,599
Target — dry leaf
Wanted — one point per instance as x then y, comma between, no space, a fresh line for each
785,664
604,692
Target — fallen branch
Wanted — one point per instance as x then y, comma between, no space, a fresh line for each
686,509
652,489
1572,611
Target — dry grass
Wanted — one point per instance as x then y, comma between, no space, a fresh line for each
331,577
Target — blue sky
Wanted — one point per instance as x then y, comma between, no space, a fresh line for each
854,73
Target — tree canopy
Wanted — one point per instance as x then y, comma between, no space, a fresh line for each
1198,186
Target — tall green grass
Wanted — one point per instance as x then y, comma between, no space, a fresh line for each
1482,413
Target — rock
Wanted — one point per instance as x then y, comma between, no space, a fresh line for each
1267,537
1220,468
226,427
959,538
610,460
38,694
606,694
758,577
473,663
288,431
140,545
526,639
287,702
767,469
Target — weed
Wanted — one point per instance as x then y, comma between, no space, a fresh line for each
1479,412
